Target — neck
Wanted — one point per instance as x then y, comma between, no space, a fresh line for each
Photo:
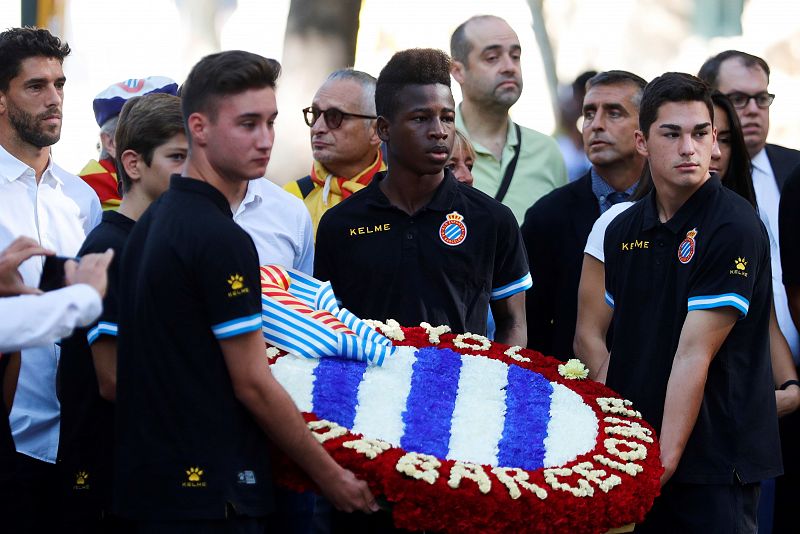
134,203
621,175
407,191
240,193
32,156
198,168
350,170
669,199
486,125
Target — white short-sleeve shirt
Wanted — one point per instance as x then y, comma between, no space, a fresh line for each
594,243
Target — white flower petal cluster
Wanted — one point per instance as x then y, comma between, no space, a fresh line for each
434,331
370,448
483,343
419,466
573,370
391,328
617,407
513,353
470,471
334,430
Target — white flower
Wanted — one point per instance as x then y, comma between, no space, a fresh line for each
573,370
434,331
272,352
483,342
391,329
513,353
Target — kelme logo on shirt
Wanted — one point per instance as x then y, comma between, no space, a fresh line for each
194,478
687,247
453,231
81,480
236,283
739,267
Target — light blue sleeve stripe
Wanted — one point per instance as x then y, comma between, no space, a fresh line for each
706,302
237,327
522,284
101,329
609,300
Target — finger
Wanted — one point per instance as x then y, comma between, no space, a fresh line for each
17,257
369,499
27,290
70,267
21,243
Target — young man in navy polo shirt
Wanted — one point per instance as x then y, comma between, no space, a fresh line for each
416,245
196,402
151,146
688,276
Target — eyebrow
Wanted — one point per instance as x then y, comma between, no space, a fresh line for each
499,48
430,110
33,81
608,105
677,128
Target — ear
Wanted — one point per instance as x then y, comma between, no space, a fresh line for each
109,144
382,127
640,143
198,124
131,161
372,133
457,71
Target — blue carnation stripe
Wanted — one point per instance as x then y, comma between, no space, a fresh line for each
336,390
527,414
430,403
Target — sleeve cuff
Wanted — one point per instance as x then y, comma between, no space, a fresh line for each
609,300
87,300
101,329
706,302
521,284
237,327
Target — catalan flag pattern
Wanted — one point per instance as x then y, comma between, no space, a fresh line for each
300,315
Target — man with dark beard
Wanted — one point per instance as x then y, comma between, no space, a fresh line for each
40,200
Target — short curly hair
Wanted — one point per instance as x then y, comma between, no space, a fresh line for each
19,44
416,66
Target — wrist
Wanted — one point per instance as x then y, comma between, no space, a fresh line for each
795,384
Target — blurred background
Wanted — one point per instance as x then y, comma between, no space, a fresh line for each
114,40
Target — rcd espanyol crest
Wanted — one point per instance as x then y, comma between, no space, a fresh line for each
687,247
453,231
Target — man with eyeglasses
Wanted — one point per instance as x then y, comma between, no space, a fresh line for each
345,144
744,78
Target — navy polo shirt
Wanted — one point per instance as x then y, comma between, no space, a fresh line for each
186,447
442,264
713,253
86,441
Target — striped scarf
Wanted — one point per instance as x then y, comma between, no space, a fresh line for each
344,187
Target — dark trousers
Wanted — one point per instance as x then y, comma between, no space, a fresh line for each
28,496
236,525
787,486
703,509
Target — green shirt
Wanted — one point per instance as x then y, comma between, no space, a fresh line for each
540,167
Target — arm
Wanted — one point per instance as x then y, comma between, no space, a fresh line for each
594,318
702,335
21,249
509,316
104,356
540,299
305,260
783,368
31,320
276,414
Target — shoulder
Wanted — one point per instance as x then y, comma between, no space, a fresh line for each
104,236
278,197
74,185
782,151
538,139
555,200
735,212
300,188
483,205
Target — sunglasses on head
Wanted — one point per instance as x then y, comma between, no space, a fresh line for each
333,117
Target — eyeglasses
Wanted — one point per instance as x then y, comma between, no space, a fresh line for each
740,100
333,117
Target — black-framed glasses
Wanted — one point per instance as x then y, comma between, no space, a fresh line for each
333,117
740,100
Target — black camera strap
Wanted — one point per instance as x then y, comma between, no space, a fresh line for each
501,193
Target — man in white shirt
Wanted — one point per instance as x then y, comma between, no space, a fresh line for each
40,200
279,224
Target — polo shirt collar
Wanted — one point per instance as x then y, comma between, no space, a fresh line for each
511,135
192,185
11,169
688,209
442,199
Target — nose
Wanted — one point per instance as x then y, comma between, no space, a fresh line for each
54,96
319,125
686,147
751,108
508,64
265,138
598,121
438,129
716,154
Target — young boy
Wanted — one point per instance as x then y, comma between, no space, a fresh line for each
688,276
427,247
151,145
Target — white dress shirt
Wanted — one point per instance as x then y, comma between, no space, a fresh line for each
768,198
57,212
279,224
32,320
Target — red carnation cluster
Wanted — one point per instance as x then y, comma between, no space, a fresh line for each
418,505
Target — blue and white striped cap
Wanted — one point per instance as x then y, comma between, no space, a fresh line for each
109,102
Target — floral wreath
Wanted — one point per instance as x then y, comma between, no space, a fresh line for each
611,485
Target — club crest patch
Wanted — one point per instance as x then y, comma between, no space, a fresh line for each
687,247
453,231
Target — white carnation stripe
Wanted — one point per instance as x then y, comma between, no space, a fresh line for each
479,412
382,397
296,375
572,429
